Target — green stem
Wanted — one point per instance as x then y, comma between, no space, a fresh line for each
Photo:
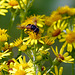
11,22
34,59
50,69
22,34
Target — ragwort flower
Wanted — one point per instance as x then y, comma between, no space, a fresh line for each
56,30
35,20
62,57
69,39
18,42
6,53
3,35
55,16
56,71
33,39
13,4
48,40
2,8
22,67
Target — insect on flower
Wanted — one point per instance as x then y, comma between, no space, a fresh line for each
33,27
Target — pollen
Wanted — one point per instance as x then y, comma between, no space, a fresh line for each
34,36
70,38
13,3
56,32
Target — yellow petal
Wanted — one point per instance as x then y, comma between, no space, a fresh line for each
69,47
62,40
61,51
35,41
74,45
40,25
55,27
60,70
66,54
56,70
54,51
41,41
32,41
58,24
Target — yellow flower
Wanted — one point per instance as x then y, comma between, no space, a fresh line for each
54,17
63,10
62,57
20,72
6,53
3,35
35,20
33,39
71,11
2,8
13,3
3,11
56,30
22,67
56,71
48,40
69,39
2,31
42,51
23,48
7,46
18,42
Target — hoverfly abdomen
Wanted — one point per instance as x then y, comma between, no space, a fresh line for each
36,30
33,27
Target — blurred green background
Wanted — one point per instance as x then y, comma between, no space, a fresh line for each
39,7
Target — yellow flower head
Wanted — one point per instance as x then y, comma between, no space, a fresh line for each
6,53
35,20
54,17
62,57
63,10
2,31
42,51
33,39
3,35
22,67
48,40
2,8
69,39
71,11
56,71
18,42
56,30
7,46
13,3
3,11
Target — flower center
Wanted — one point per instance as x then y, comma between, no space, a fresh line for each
34,36
60,57
56,32
70,38
13,3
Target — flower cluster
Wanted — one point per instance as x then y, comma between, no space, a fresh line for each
38,34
